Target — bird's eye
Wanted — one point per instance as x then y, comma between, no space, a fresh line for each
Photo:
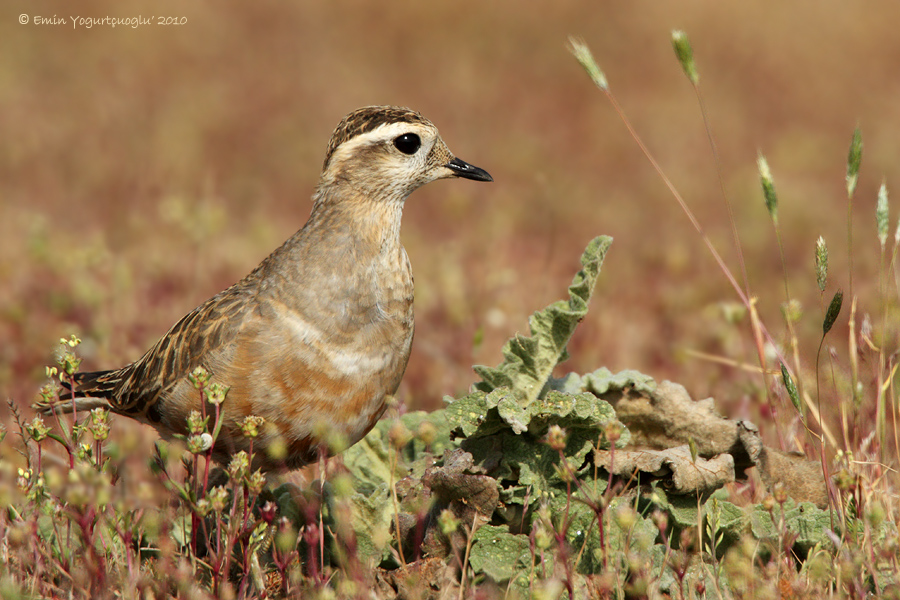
408,143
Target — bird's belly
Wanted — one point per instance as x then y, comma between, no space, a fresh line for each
316,388
311,385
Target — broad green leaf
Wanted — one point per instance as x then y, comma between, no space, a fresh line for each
732,520
529,361
369,459
805,519
537,462
499,554
727,520
509,439
480,414
635,533
473,413
371,523
638,532
603,380
369,462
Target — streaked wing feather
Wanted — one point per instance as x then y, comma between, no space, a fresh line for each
185,347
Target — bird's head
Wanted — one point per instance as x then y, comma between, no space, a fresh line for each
385,153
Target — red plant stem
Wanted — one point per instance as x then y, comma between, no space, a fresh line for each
74,403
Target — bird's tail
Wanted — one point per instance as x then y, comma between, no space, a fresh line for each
90,390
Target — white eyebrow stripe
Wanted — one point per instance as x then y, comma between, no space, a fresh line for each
383,133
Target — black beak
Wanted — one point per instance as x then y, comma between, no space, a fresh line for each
467,171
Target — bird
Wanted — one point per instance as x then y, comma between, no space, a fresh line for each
316,339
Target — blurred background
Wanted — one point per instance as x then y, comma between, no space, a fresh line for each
144,169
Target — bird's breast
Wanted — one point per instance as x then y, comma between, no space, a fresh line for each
358,313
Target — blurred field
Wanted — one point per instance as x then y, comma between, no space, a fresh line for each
143,170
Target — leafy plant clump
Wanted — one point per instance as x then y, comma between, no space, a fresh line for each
517,484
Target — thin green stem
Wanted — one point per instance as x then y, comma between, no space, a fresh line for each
718,164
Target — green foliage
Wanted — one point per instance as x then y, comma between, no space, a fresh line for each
529,361
603,381
499,554
804,520
509,437
534,438
375,469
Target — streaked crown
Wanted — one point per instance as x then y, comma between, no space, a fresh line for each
365,119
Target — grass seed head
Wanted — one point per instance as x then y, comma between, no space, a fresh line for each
768,187
685,55
822,263
854,158
583,55
882,215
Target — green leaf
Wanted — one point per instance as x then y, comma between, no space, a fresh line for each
831,315
180,529
683,510
529,361
508,439
369,460
603,381
732,519
635,534
371,523
536,461
805,519
473,413
499,554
